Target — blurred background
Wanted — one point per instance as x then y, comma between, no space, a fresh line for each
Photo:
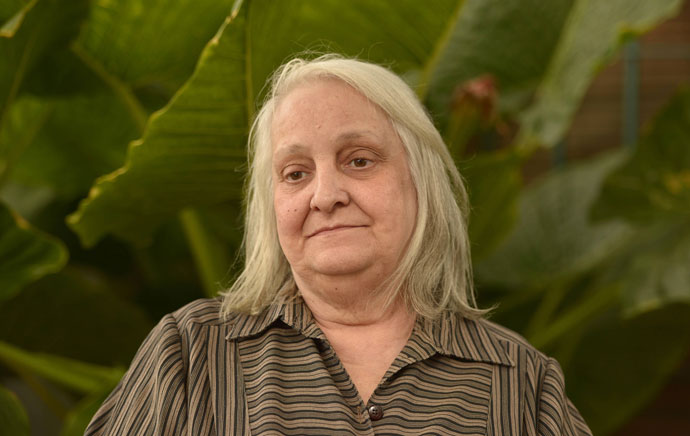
624,98
123,125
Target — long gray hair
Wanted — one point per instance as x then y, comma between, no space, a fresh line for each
435,274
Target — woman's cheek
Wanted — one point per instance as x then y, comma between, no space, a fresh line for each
288,217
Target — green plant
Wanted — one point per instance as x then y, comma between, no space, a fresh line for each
159,221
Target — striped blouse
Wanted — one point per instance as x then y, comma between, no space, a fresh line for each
276,374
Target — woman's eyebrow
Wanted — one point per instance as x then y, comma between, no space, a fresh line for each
357,134
288,150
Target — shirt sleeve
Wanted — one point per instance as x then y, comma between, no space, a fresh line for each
556,413
151,398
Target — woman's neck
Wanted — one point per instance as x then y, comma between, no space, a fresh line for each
347,299
365,337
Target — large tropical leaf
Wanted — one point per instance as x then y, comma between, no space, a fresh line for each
150,43
95,94
61,305
652,191
654,184
553,238
66,142
187,152
13,418
654,268
37,29
592,34
494,183
511,40
193,151
582,268
26,254
554,48
42,27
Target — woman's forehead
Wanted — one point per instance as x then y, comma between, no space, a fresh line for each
346,112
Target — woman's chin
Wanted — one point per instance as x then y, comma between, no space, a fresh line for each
340,261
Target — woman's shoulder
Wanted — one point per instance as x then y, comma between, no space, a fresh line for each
541,379
152,395
503,334
512,342
204,311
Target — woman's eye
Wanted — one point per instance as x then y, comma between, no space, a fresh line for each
360,162
294,176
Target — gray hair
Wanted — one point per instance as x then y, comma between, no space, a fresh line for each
435,274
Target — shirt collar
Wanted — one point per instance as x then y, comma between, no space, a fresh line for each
466,339
451,334
293,312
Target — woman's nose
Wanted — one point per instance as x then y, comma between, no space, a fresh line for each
330,191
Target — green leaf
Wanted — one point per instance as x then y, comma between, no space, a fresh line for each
651,190
26,201
46,26
511,40
150,43
22,124
79,376
494,182
94,95
654,184
193,151
46,136
188,149
79,417
553,238
653,267
593,32
11,24
62,304
61,72
402,34
25,253
619,365
660,275
13,418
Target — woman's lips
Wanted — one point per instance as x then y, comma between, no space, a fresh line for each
332,229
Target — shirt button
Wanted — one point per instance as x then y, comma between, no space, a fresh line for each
375,413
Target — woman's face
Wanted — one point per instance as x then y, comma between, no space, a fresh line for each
344,199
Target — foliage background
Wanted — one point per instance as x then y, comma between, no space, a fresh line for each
122,135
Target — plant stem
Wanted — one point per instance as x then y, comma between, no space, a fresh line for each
597,302
18,77
439,47
208,251
54,404
549,304
74,374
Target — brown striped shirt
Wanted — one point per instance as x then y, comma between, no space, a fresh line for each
276,374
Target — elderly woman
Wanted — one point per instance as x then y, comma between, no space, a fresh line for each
354,313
